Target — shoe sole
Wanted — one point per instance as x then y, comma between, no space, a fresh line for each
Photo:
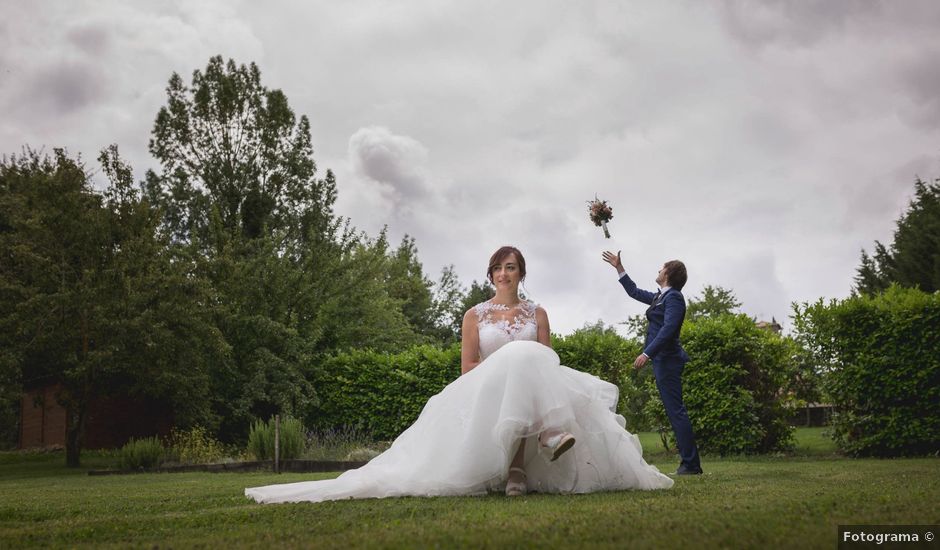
562,447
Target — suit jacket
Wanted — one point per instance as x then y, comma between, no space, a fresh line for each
665,316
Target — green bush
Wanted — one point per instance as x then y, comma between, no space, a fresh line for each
194,446
142,453
380,394
881,357
292,440
732,387
337,444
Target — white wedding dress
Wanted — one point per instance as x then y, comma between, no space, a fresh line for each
465,438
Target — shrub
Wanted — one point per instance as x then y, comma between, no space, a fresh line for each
261,439
362,454
732,387
142,453
381,394
339,444
881,361
378,393
194,446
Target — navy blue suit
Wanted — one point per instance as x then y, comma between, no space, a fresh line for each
665,315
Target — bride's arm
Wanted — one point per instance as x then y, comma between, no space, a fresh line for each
469,343
545,332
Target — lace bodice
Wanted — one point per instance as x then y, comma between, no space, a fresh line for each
498,325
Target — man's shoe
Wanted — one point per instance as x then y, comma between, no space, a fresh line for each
684,471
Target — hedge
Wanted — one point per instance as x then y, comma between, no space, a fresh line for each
881,362
732,386
380,393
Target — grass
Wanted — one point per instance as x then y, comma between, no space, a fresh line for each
787,501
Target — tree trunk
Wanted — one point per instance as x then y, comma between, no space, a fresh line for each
74,432
75,409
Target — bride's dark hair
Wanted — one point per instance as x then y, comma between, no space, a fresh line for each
500,255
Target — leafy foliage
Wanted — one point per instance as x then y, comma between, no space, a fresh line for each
913,259
732,387
291,442
291,280
715,301
447,306
339,443
142,453
233,154
194,446
379,393
382,394
91,300
882,356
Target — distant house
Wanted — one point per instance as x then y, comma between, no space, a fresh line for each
813,414
110,421
773,325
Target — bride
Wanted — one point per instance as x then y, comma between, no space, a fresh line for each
515,420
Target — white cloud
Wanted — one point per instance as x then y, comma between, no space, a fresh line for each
764,144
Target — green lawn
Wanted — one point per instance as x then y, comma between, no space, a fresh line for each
789,501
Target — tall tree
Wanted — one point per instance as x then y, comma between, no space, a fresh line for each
448,305
407,282
913,259
243,205
233,153
714,301
90,300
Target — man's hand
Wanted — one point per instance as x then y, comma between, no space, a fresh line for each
613,260
641,360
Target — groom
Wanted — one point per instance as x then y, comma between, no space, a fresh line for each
665,315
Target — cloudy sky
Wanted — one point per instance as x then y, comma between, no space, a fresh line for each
763,143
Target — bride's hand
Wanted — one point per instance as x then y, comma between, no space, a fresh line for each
613,260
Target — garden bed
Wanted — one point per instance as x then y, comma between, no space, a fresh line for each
295,465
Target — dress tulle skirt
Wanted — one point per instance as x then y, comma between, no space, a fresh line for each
466,436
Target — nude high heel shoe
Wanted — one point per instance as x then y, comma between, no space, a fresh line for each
516,485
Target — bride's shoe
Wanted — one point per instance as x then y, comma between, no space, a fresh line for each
557,444
516,485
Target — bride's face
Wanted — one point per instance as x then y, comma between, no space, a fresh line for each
506,273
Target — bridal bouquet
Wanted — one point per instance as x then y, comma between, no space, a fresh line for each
601,213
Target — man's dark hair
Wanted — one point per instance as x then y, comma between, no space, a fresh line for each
676,275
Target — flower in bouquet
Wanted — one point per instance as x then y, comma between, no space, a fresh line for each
601,213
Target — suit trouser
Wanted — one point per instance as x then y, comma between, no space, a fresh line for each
669,382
